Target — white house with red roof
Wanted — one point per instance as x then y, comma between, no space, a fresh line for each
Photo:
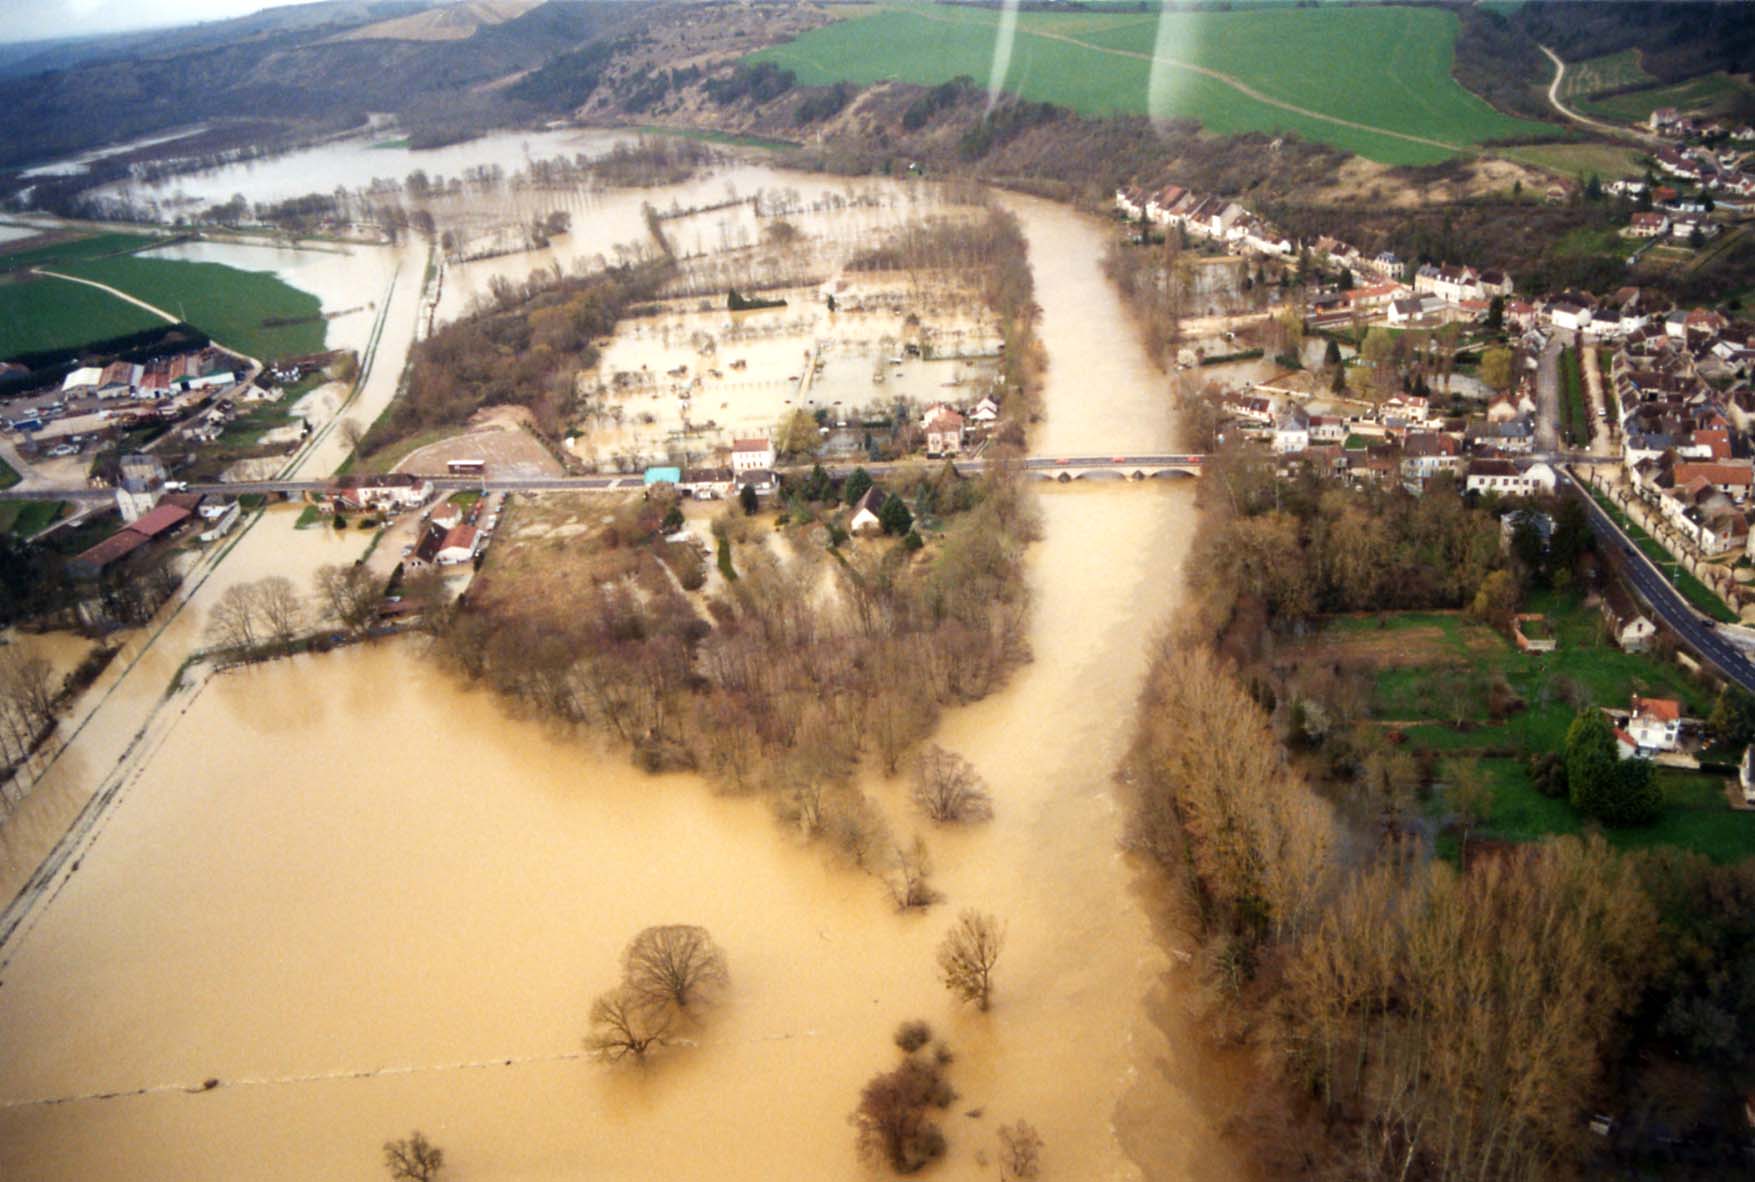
1655,724
751,455
944,433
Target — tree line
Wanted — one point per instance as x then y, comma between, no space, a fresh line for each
1421,1020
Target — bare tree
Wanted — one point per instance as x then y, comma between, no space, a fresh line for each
413,1158
351,433
1020,1151
624,1025
674,965
968,954
235,622
910,876
349,594
281,609
947,788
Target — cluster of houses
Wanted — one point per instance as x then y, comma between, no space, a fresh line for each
1217,218
1685,385
1673,124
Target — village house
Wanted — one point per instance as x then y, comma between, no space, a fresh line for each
1291,431
750,455
1648,224
1506,479
387,493
1655,724
708,484
944,433
865,519
1425,454
1629,627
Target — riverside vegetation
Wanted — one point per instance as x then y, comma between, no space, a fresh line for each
1423,1019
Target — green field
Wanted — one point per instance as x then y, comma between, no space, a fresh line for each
8,475
228,304
1609,72
39,314
1375,81
1705,95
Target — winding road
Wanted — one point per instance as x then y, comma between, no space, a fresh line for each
1612,129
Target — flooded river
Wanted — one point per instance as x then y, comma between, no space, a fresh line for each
364,901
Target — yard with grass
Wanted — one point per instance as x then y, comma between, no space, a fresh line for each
8,475
24,518
253,311
1374,81
38,314
1432,678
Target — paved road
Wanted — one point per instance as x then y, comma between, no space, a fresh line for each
1698,633
1548,395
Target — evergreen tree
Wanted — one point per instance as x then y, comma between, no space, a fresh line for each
856,486
895,517
749,500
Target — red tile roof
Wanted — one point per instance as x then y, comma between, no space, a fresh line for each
1662,709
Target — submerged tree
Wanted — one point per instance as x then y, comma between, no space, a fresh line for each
947,788
1020,1151
626,1025
968,954
413,1158
674,965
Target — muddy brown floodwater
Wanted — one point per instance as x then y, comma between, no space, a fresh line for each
365,901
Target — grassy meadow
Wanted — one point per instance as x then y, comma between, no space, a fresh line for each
1375,81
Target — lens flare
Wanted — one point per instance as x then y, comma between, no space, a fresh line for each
1002,52
1164,84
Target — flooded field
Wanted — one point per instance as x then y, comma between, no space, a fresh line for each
356,163
362,900
688,381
